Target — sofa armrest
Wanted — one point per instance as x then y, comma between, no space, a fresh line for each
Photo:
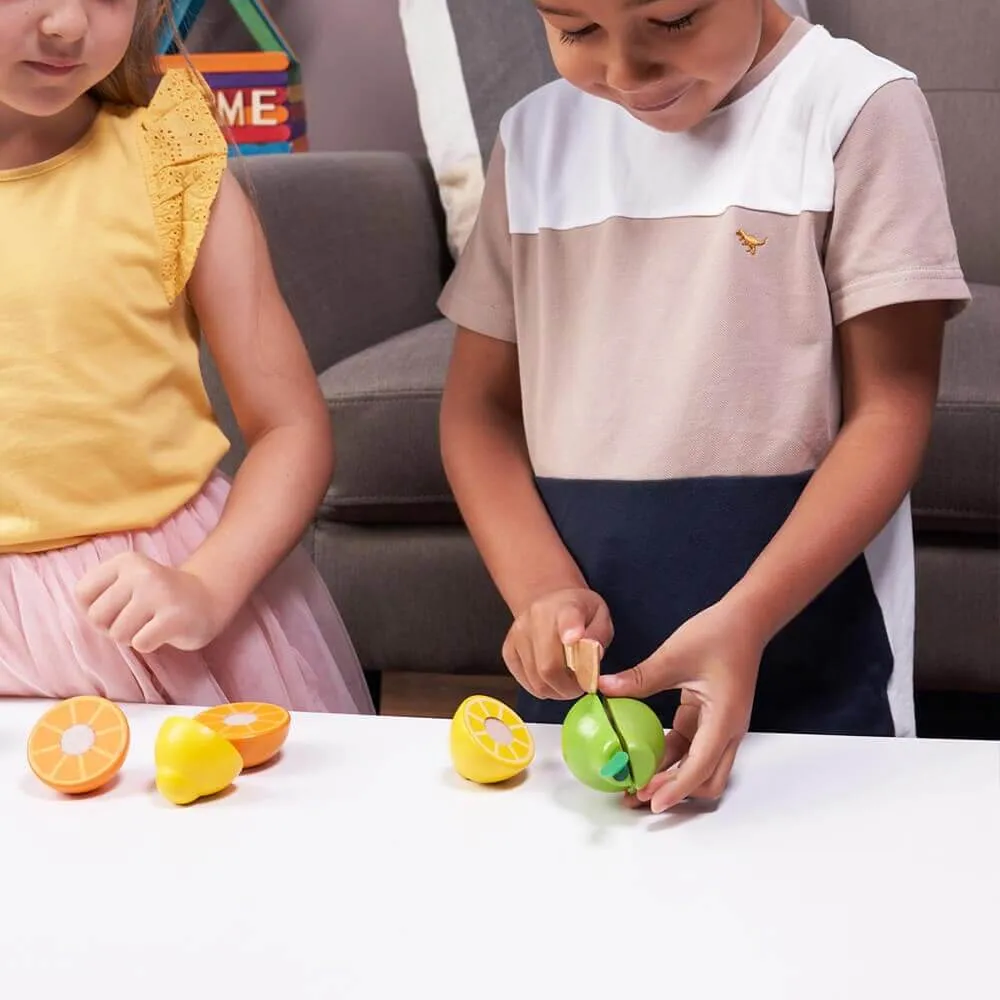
358,246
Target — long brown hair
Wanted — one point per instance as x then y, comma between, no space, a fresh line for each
131,83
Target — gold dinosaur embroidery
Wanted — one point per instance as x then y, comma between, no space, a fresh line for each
751,243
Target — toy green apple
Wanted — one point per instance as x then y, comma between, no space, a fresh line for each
612,744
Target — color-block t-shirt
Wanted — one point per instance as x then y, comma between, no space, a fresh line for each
673,299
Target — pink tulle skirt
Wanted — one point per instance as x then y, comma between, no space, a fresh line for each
288,646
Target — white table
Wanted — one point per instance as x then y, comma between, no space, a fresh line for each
360,866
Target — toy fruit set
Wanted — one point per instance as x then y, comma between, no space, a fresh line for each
80,744
608,744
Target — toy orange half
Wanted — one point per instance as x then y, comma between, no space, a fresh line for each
79,745
256,729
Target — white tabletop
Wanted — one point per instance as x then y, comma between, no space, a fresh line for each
360,866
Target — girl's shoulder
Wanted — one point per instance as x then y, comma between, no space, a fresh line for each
184,155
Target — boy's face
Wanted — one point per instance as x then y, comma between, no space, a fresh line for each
669,63
52,51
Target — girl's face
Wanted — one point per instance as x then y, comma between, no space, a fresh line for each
669,63
53,51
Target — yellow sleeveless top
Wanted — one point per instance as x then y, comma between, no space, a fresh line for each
105,424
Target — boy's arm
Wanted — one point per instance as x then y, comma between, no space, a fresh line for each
890,363
486,460
894,278
890,359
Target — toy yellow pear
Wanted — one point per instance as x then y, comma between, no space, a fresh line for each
193,761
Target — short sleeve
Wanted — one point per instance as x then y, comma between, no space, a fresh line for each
479,295
891,239
185,155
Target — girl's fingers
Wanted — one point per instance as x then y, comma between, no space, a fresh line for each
96,582
108,604
152,635
133,617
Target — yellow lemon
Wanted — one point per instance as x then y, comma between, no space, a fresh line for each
193,761
489,743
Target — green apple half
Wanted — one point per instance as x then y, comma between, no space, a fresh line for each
595,755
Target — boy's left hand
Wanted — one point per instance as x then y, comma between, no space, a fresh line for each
145,605
714,659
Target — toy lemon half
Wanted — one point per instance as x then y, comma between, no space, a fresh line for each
489,743
256,729
79,745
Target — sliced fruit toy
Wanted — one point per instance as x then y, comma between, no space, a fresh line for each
612,744
79,745
193,761
489,742
257,730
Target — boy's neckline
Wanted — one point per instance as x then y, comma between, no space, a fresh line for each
794,34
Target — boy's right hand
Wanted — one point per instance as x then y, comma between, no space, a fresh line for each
534,649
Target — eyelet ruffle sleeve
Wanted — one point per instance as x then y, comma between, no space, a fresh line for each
185,155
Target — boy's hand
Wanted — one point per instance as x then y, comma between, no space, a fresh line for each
714,659
145,605
533,650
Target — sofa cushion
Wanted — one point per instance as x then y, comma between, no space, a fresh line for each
384,403
959,489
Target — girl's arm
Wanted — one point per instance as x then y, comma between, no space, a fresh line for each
890,361
276,399
486,460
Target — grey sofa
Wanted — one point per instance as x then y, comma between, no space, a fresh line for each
360,253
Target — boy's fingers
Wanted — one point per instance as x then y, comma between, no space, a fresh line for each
512,661
716,785
600,628
535,681
571,623
709,745
677,746
657,673
551,659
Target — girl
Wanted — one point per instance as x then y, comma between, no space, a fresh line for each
700,325
127,567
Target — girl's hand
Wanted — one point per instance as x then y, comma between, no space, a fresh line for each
533,650
145,605
714,659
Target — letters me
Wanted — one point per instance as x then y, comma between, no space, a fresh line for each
235,114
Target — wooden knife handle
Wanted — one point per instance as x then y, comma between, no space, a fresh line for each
583,658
